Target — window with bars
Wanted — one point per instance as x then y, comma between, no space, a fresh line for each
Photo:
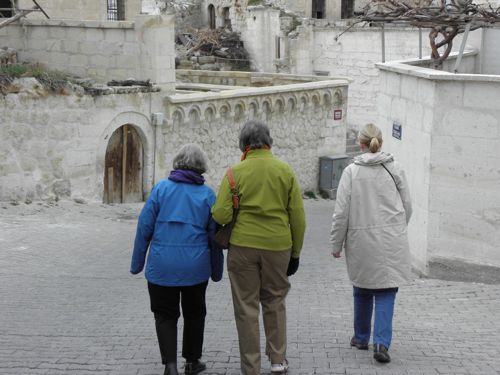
7,8
116,10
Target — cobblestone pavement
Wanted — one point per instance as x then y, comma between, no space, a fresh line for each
69,306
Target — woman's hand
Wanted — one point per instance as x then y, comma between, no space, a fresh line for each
336,254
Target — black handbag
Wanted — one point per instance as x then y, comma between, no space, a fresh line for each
223,235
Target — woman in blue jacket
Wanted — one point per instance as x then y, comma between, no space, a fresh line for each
175,224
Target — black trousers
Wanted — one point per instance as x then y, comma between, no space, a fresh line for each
165,302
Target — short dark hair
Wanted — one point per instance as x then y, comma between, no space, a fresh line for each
255,134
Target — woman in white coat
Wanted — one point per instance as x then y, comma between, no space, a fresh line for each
372,211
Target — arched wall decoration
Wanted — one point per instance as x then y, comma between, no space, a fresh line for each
239,111
224,111
303,103
194,116
327,99
178,117
266,110
337,98
279,106
209,114
291,104
253,110
316,101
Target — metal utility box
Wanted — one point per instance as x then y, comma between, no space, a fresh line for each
330,171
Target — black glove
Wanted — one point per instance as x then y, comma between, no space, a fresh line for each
293,266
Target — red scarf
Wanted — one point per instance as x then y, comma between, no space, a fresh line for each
248,149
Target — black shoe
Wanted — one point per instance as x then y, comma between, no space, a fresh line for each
358,344
171,369
381,353
194,367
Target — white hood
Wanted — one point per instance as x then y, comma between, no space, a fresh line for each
373,158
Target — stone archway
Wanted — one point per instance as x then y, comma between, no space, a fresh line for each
123,167
143,134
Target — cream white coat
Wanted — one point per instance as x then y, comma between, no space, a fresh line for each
370,221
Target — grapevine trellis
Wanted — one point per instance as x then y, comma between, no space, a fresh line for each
445,18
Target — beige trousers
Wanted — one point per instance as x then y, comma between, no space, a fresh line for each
258,277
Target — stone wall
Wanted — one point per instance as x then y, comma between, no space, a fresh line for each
450,148
490,54
300,116
106,50
54,146
90,10
259,36
315,47
354,55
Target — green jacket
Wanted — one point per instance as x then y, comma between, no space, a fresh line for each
271,215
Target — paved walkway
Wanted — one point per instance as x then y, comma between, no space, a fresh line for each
69,306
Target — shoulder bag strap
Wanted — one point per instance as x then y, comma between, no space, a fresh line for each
232,186
390,174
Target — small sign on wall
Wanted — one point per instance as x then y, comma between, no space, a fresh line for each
397,130
337,114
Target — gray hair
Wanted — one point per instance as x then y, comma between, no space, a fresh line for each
255,134
371,137
191,157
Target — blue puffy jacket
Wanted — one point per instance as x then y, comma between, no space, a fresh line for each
176,225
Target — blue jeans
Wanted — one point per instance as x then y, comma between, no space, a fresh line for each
384,310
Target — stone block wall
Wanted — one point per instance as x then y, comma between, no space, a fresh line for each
450,148
490,55
300,117
106,50
53,146
259,37
89,10
355,54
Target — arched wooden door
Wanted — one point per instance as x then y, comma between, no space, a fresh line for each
123,167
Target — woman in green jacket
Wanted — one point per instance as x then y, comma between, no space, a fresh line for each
264,247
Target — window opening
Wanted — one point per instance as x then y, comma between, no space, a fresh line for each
318,9
211,16
227,19
347,10
116,10
7,8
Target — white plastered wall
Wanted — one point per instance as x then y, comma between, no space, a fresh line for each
450,149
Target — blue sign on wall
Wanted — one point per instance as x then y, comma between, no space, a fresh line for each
397,130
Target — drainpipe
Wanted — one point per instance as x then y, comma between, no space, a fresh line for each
383,43
156,121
